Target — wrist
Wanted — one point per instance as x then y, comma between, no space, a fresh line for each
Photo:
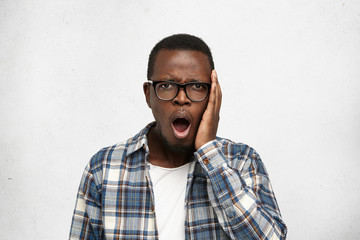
210,156
200,143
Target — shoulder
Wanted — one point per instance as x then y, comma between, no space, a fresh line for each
105,156
115,155
240,154
237,149
108,154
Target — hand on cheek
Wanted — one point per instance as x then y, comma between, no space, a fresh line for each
210,119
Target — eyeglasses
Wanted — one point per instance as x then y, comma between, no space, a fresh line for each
167,90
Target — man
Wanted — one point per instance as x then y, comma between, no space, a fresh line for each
176,179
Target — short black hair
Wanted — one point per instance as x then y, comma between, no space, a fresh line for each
179,42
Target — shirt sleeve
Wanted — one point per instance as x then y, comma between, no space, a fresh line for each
87,220
240,192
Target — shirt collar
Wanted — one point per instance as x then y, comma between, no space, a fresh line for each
140,140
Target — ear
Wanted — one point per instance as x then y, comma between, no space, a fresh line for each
146,88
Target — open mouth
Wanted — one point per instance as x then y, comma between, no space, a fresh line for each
181,127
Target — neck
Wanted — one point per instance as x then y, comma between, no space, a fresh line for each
164,156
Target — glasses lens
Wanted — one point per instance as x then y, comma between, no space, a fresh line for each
197,91
166,90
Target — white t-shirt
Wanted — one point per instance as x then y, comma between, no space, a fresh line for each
169,185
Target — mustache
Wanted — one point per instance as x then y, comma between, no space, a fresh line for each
181,113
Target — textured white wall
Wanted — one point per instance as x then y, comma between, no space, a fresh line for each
71,75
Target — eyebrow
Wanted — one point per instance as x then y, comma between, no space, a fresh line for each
177,81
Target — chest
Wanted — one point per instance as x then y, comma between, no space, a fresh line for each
128,206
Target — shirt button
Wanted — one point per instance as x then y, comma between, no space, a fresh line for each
206,161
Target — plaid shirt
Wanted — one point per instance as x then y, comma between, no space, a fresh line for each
228,194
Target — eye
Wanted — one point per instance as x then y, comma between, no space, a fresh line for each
198,86
166,86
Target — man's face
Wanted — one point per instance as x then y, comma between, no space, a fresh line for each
178,120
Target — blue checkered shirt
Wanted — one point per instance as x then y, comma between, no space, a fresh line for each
228,194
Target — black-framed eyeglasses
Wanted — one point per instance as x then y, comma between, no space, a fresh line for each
168,90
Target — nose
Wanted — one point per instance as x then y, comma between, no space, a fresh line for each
181,98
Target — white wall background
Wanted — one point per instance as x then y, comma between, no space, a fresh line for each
71,75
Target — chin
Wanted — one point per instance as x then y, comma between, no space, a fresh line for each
180,146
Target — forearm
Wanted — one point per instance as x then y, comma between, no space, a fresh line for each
240,194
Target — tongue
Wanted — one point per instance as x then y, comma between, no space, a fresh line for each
181,124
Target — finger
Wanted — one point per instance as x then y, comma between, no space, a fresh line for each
212,98
216,84
218,93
